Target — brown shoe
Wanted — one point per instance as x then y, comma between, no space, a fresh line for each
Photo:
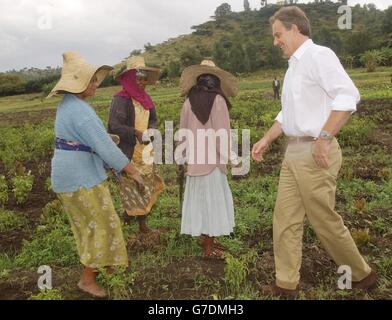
368,283
274,290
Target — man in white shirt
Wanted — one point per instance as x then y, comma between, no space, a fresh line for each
317,99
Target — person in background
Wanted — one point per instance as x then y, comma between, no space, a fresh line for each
78,175
276,88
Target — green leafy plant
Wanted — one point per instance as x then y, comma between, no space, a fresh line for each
236,271
10,220
119,283
53,215
3,191
49,247
22,186
52,294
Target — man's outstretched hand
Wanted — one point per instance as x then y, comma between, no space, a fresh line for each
259,149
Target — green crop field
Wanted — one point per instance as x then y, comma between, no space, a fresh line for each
34,229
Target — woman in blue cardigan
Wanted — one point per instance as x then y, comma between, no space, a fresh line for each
83,150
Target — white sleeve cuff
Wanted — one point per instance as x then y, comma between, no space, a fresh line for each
345,103
279,117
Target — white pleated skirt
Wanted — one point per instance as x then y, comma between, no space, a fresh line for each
208,206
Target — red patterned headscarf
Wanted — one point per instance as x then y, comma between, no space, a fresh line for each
132,90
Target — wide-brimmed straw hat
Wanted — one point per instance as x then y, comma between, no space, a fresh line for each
229,83
137,63
76,74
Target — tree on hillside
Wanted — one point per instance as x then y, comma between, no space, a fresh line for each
387,21
273,58
330,38
135,53
371,60
348,61
253,53
190,57
246,5
174,69
238,60
148,46
11,84
219,53
223,10
359,42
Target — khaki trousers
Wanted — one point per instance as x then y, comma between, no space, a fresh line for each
304,188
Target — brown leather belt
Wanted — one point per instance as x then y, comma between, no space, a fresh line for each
301,139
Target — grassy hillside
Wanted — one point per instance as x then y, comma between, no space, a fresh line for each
224,37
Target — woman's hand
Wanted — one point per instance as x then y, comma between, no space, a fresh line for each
115,138
134,174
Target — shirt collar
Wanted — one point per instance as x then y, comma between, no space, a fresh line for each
302,49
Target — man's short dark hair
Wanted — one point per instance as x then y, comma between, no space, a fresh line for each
293,15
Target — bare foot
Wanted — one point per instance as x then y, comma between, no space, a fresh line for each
216,243
93,289
209,250
213,254
143,225
144,229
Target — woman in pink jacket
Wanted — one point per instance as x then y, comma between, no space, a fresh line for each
208,209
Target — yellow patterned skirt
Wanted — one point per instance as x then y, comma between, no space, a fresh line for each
96,227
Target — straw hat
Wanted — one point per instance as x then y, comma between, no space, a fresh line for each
76,74
229,83
137,63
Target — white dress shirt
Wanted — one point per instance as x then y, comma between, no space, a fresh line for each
314,85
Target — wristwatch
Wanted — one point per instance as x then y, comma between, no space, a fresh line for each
325,135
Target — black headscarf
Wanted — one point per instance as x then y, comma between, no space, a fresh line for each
202,96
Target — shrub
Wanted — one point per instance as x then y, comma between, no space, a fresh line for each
3,191
10,220
22,186
47,295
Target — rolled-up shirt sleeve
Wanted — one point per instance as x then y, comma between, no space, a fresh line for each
279,117
332,77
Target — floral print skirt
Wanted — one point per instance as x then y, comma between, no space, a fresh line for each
96,227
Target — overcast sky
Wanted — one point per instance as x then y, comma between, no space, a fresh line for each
36,33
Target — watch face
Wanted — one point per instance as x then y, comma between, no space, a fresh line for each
325,135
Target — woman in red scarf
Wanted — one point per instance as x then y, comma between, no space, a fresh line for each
132,111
